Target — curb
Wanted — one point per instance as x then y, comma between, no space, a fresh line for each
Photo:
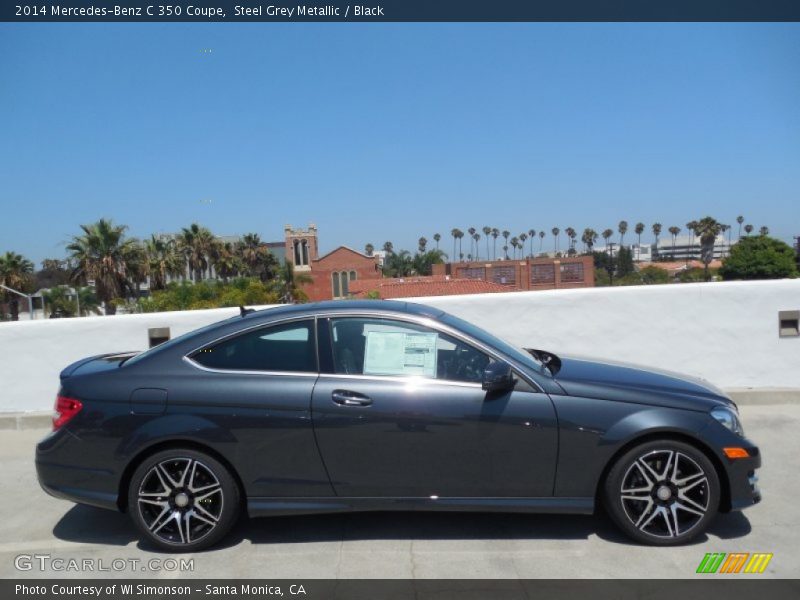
741,396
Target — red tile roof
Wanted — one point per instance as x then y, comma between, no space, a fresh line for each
412,287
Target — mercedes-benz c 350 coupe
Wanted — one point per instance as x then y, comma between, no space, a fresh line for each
378,405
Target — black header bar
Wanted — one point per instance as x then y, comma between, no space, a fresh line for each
383,11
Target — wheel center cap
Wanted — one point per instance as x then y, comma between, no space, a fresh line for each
664,493
181,500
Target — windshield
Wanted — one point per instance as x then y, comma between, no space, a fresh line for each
487,338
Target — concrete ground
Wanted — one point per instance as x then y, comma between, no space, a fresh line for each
406,545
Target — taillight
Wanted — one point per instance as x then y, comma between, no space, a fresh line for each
65,409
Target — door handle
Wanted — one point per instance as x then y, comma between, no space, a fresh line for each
346,398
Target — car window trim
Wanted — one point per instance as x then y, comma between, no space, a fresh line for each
312,336
425,322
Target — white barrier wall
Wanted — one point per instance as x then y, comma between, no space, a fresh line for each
725,332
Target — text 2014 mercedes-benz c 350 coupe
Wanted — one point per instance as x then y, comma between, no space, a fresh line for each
376,405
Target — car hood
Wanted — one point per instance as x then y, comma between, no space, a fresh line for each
632,383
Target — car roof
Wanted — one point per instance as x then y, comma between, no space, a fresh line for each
348,306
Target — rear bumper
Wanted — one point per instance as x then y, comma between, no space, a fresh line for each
60,477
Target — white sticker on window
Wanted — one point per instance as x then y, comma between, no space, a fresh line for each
400,353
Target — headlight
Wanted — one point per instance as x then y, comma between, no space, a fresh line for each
728,419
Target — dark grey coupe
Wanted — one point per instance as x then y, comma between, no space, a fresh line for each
375,405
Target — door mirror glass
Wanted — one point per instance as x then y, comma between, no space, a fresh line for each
498,377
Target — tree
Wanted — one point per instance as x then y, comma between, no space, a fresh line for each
764,230
423,262
495,234
101,254
639,230
436,238
16,272
197,245
163,260
589,238
555,231
624,262
399,264
487,231
607,233
522,237
691,226
54,272
226,263
748,229
477,237
255,258
656,233
422,243
514,245
760,257
289,284
454,233
506,233
388,247
653,275
541,239
740,220
471,231
707,229
532,235
674,231
571,237
369,249
623,229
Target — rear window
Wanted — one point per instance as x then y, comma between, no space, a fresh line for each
287,347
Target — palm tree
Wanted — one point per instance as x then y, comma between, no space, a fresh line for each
589,237
477,237
487,231
623,229
422,242
16,272
369,249
514,244
436,238
555,231
570,236
506,233
748,229
522,237
656,233
226,263
639,230
290,282
740,220
505,250
607,235
101,254
454,233
541,240
674,231
728,229
460,249
388,247
764,230
691,226
532,234
163,261
495,234
197,244
707,229
471,232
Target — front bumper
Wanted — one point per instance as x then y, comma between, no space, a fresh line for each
743,479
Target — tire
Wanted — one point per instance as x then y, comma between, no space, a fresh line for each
183,500
657,505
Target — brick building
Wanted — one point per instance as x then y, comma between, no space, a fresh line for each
331,273
526,274
420,286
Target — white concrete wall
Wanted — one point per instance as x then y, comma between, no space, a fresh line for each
725,332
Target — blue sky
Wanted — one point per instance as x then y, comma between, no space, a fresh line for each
389,132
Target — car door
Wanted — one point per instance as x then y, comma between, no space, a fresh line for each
257,385
399,411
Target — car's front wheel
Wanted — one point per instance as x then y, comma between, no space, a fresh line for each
662,492
183,500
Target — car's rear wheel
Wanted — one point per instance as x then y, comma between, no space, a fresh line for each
183,500
662,492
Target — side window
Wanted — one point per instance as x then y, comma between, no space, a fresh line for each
365,346
286,347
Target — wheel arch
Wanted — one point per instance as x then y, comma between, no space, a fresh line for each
725,488
127,474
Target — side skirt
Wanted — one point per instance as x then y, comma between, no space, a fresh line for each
265,507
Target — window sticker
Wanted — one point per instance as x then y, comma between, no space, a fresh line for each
400,353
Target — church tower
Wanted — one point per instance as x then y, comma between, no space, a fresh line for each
301,246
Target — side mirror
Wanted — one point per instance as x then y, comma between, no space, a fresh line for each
498,377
